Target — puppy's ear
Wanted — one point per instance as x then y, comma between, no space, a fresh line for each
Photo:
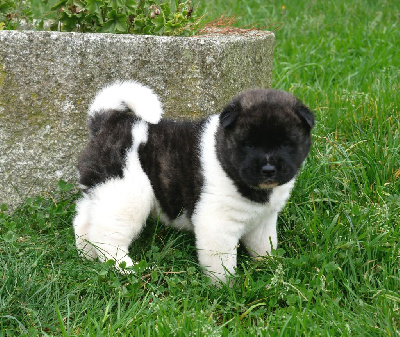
229,114
305,114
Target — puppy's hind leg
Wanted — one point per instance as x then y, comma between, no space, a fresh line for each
81,228
119,212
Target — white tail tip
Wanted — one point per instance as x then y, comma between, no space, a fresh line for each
143,102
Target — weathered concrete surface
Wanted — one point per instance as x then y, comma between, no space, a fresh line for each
47,80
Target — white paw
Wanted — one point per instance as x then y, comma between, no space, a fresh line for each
124,265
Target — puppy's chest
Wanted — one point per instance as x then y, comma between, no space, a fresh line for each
246,212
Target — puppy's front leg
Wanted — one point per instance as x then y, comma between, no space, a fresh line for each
263,238
217,253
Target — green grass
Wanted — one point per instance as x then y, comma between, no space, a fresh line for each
337,269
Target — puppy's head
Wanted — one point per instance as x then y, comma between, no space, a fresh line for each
264,137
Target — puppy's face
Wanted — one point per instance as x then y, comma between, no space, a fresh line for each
264,137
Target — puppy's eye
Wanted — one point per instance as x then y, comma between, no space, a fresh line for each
285,144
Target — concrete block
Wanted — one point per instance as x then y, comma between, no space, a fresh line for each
47,80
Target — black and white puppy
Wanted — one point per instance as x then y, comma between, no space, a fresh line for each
225,177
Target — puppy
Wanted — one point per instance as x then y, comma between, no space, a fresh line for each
225,177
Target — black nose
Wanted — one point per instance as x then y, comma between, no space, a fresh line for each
268,170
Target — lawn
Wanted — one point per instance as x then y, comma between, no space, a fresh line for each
337,269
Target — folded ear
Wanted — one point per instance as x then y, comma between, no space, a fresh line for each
229,114
305,114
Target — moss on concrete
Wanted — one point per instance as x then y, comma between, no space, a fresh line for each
2,75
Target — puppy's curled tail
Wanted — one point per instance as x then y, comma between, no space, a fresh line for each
125,96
